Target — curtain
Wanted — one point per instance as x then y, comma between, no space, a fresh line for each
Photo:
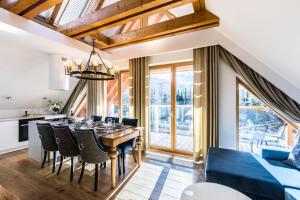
138,92
78,89
266,91
93,97
205,103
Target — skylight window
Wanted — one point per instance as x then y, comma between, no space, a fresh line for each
74,9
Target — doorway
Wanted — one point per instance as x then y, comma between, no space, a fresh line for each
171,108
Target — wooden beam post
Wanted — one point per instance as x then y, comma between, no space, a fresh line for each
54,13
199,5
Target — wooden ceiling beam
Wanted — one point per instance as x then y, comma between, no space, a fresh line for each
38,7
16,6
179,25
101,39
199,5
117,14
100,4
54,13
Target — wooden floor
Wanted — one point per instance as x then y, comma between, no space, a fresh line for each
24,178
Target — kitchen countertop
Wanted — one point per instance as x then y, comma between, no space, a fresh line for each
32,117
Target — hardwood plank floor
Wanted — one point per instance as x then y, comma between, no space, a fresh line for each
24,178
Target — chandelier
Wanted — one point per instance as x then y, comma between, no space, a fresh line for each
95,68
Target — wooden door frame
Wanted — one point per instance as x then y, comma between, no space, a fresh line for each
173,67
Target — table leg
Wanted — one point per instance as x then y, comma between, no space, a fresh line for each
139,142
113,154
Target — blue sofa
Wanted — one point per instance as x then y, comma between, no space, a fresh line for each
265,177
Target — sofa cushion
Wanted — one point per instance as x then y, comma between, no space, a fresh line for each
275,153
292,194
242,171
288,176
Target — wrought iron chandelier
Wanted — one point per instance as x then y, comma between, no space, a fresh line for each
95,68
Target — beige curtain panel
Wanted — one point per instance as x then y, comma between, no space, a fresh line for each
205,103
78,89
138,92
93,97
266,91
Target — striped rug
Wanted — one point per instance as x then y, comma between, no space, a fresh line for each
156,183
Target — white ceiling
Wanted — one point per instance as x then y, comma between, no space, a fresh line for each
269,30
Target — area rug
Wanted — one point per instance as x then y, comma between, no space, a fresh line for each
156,183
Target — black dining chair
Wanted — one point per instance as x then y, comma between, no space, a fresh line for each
130,144
96,118
48,142
116,119
92,152
67,146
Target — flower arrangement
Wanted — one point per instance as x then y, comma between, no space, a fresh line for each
55,106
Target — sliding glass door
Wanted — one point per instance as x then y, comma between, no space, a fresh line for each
171,111
160,107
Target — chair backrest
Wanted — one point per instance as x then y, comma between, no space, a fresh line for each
89,148
66,142
130,122
47,136
96,118
116,119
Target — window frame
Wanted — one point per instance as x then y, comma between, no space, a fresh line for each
292,126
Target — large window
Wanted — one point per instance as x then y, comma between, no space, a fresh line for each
124,94
117,96
171,107
258,124
112,97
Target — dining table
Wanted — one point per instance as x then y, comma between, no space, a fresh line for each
112,136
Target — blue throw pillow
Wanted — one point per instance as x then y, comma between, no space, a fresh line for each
294,157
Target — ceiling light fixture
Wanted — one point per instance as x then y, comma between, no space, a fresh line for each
95,68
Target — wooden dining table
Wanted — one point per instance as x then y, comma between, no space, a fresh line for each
112,140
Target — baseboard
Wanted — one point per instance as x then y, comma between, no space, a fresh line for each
13,149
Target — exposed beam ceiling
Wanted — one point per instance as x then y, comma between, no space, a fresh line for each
188,23
38,7
117,14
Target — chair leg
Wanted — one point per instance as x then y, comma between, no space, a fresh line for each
54,161
119,165
123,159
72,169
133,154
96,177
44,160
82,171
60,164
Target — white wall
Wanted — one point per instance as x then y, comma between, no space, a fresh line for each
24,76
227,107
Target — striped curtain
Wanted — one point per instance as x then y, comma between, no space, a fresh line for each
93,97
205,102
138,92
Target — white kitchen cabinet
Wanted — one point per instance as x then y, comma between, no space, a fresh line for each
9,137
